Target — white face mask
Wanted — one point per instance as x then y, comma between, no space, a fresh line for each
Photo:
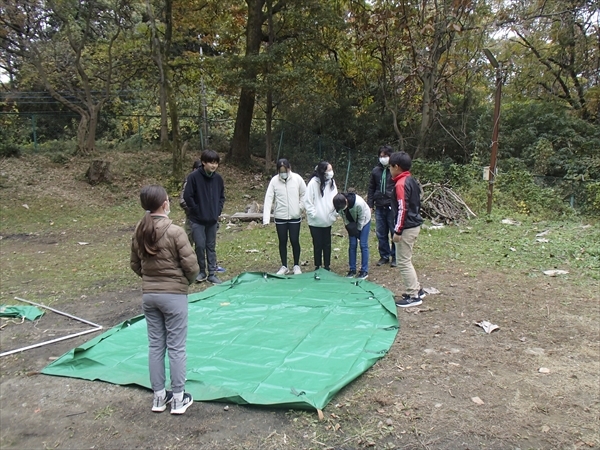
283,175
167,211
329,175
385,160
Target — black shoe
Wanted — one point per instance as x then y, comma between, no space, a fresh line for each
328,269
422,294
351,274
383,261
213,279
393,263
201,277
362,275
405,302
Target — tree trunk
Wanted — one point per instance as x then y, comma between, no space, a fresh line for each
240,144
177,149
269,131
93,125
427,113
163,82
164,120
269,109
82,133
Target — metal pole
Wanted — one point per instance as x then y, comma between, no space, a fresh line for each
280,144
203,101
493,172
34,131
40,344
139,132
347,173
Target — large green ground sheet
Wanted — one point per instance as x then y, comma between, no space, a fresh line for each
258,339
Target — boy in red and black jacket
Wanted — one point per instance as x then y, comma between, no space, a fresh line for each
406,204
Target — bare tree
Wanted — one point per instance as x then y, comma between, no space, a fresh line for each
72,49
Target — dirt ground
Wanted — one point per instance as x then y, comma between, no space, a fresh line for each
422,394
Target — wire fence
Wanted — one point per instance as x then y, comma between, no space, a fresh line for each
53,131
39,131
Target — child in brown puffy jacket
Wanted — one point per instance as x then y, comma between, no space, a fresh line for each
162,255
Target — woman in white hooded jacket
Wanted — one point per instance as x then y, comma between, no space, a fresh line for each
287,190
320,212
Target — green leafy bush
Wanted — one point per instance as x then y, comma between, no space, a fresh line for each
518,191
9,150
591,198
456,175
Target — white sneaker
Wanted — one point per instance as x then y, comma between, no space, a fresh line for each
297,270
283,271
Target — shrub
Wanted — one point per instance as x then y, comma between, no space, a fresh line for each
517,190
10,150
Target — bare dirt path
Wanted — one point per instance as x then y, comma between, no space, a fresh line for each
420,395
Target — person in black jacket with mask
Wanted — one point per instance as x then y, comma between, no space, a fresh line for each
204,196
379,199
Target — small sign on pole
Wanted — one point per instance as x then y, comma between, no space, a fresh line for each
486,173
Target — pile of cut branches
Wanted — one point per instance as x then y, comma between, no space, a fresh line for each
442,205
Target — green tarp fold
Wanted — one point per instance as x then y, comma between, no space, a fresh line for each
28,312
258,339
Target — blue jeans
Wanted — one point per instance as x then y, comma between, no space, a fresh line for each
364,249
384,229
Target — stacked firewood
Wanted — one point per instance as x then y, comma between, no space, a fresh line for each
442,205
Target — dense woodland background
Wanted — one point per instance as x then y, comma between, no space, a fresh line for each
315,79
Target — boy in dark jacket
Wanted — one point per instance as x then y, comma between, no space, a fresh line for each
379,199
406,205
204,195
188,225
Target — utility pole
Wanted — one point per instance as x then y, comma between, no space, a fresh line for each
203,101
496,126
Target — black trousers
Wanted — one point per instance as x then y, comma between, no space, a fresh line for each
284,229
321,237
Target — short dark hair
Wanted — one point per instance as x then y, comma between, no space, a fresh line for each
386,150
209,156
401,159
283,163
197,164
339,202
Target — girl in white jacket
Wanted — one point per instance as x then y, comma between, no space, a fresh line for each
287,189
320,212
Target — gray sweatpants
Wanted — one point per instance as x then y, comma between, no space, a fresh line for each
167,321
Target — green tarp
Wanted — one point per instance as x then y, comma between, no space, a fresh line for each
28,312
258,339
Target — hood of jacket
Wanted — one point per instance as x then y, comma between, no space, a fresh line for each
351,197
161,224
203,172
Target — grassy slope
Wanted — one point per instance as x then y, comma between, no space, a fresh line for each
42,257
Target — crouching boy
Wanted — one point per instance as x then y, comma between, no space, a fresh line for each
357,217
